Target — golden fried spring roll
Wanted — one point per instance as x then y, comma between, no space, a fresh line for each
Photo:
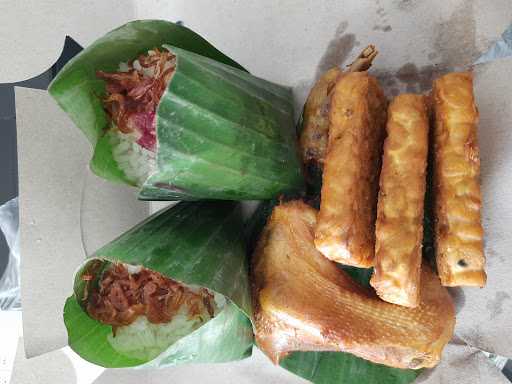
399,227
345,231
459,234
313,139
304,302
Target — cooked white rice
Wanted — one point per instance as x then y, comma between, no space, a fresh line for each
135,161
145,340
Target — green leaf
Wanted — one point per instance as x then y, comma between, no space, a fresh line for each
88,338
222,133
194,243
256,222
344,368
227,337
78,91
361,275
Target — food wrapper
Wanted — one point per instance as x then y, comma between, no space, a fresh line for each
221,133
192,243
10,279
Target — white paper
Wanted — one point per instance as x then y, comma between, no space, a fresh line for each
32,32
485,317
58,367
52,159
465,365
55,186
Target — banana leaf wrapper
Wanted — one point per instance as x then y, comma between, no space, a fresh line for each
331,367
196,244
222,133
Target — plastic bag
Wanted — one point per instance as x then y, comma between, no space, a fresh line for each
10,280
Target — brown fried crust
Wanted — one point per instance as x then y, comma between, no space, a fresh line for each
304,302
313,139
314,136
459,234
399,226
345,231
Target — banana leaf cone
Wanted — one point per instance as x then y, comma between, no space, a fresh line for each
168,113
172,290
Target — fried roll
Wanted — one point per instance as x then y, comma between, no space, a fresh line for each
345,231
313,139
459,234
304,302
399,227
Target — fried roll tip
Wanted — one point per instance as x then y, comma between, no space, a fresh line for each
313,139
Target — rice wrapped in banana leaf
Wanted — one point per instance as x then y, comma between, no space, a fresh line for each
168,113
173,289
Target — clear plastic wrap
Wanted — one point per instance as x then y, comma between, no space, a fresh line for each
10,280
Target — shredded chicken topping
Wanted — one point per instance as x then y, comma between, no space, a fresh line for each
133,94
121,297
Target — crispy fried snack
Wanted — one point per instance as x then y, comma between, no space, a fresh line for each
459,234
313,139
357,118
304,302
399,227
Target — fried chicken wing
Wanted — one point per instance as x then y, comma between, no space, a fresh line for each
399,226
345,231
459,234
304,302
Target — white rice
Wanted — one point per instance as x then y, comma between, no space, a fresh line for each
136,65
123,67
136,162
133,269
145,340
148,72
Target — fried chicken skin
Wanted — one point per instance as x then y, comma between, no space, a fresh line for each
304,302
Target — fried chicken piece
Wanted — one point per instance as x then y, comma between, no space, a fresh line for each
304,302
345,232
399,227
459,234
